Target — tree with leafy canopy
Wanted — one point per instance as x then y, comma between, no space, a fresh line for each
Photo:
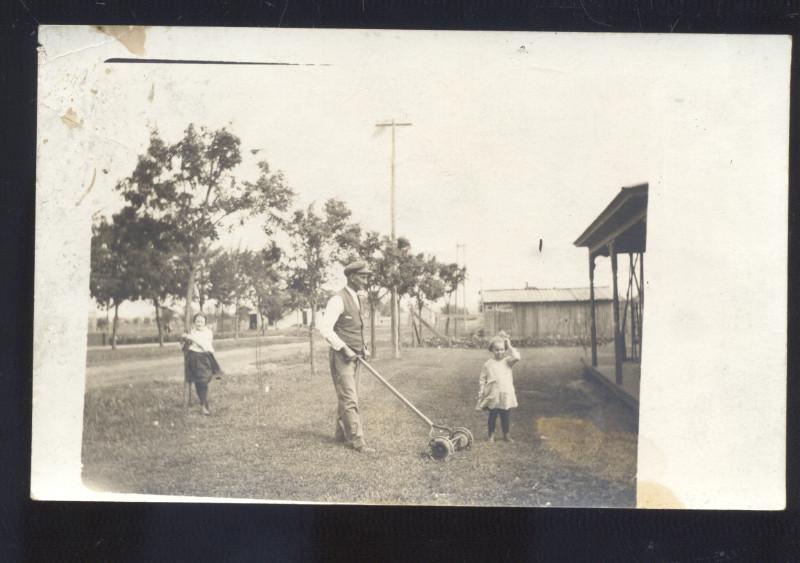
167,316
151,260
453,276
203,287
275,306
266,280
190,186
229,281
369,246
391,263
316,240
400,270
427,285
391,268
110,279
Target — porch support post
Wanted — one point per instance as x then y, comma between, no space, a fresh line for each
641,279
641,301
634,302
592,310
617,356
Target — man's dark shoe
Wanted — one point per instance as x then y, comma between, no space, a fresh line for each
338,434
361,447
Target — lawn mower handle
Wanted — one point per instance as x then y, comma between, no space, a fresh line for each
399,395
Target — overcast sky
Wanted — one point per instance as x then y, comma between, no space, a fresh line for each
515,136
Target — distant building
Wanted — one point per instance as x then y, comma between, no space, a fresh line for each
251,320
547,313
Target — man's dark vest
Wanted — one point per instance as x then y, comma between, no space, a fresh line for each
350,324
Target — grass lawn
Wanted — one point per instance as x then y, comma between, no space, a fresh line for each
575,444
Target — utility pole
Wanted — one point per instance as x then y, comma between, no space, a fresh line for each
462,248
394,305
480,295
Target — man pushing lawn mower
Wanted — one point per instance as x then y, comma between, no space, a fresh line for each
343,328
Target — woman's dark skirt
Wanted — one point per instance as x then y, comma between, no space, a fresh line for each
198,367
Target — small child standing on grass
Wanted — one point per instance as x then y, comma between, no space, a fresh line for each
496,393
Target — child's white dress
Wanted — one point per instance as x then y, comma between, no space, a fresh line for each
497,384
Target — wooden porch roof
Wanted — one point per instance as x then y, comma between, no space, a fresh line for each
623,221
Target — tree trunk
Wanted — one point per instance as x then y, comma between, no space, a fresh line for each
114,329
395,325
373,349
447,320
236,319
311,334
419,332
158,322
201,283
187,317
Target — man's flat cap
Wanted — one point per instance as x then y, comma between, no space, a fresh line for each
357,267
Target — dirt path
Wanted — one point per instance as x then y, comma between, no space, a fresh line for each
237,360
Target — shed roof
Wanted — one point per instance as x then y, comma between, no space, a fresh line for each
544,295
623,221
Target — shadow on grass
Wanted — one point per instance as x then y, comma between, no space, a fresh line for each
315,438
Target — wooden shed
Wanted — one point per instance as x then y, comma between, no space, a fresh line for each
547,312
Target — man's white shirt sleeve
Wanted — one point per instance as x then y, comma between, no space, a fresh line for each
334,308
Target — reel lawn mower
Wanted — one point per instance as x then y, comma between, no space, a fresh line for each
444,440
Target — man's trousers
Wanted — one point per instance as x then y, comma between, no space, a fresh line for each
345,377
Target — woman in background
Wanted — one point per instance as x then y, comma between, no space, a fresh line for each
200,365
